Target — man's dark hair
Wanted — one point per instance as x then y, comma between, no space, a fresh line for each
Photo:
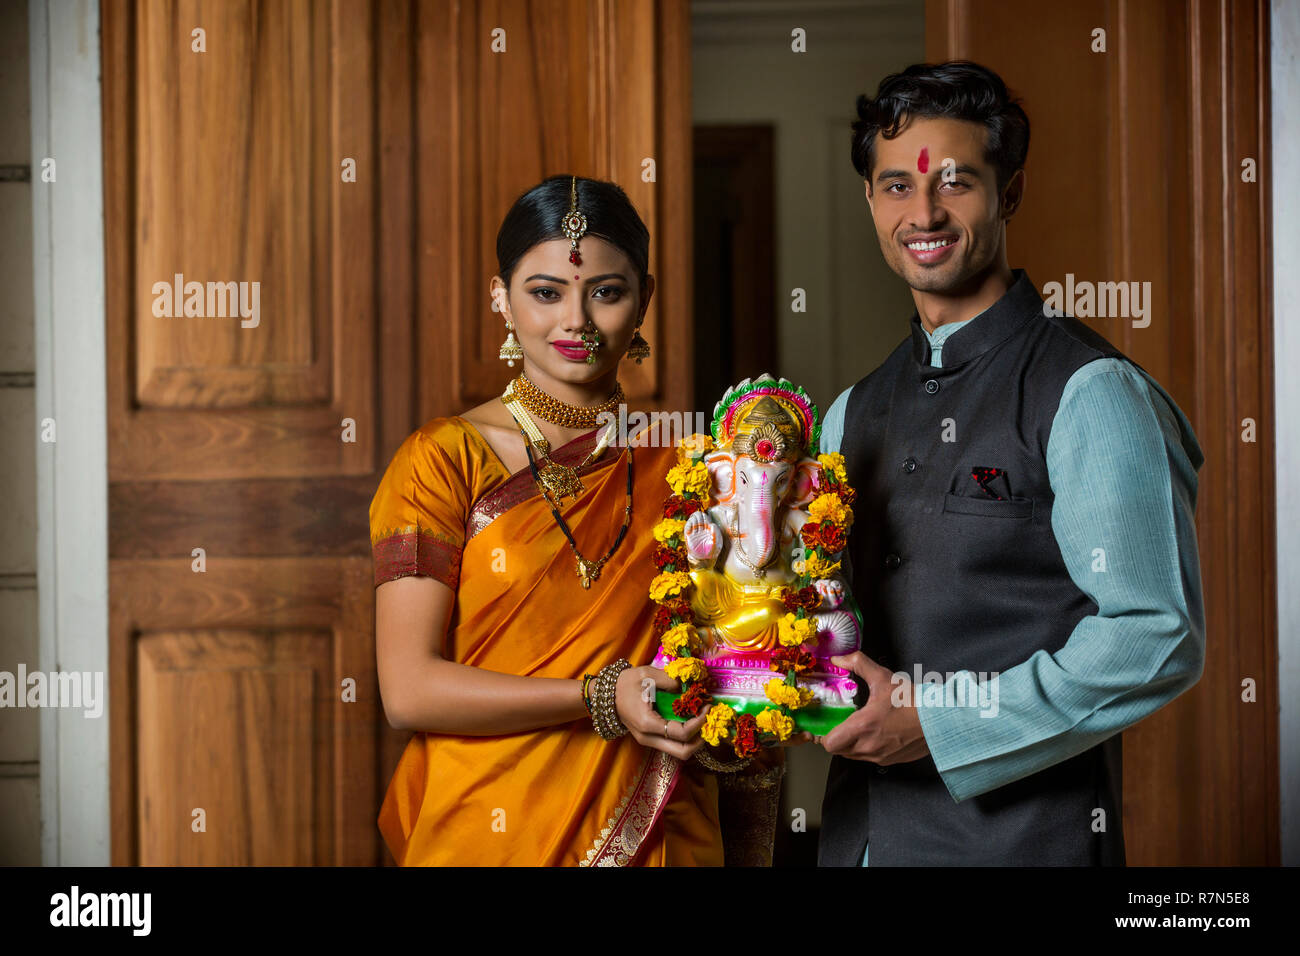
958,89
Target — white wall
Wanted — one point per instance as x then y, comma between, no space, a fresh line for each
743,72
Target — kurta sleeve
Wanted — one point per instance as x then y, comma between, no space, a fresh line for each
1122,460
419,512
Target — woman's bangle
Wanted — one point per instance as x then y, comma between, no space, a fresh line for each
586,679
604,711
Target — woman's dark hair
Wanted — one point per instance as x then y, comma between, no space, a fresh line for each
535,217
958,89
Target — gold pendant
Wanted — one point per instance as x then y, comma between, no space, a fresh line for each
588,571
561,481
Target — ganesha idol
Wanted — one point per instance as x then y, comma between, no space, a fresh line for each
744,550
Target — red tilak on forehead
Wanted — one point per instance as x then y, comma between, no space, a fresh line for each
923,161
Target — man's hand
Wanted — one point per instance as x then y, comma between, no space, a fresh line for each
878,731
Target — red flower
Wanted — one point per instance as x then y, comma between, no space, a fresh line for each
746,735
678,507
806,598
681,606
797,659
694,700
662,622
833,539
664,556
811,534
847,494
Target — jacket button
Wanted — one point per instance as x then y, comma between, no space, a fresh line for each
931,385
909,465
881,770
892,561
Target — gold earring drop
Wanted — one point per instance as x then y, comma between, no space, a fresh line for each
639,348
511,351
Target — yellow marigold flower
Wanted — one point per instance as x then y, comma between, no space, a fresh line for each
774,722
696,446
683,637
782,694
797,566
667,584
689,479
834,463
818,567
793,631
830,508
686,669
698,481
717,724
668,528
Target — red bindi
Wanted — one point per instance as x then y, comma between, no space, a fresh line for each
923,161
575,277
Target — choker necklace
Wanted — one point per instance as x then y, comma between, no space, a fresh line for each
562,481
560,413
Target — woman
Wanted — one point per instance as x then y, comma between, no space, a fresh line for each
493,612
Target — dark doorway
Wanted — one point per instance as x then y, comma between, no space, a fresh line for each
735,269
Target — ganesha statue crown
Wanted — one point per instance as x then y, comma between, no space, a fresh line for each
760,522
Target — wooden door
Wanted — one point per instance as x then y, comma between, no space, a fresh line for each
1135,174
354,161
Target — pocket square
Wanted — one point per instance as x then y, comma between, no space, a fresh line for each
992,481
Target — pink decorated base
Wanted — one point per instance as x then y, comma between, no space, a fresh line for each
744,674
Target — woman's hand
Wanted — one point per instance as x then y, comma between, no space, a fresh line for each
634,699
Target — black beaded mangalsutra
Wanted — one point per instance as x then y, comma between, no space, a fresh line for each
588,570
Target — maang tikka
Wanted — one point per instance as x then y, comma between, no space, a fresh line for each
574,227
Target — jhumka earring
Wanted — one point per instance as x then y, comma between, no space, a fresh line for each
511,351
639,347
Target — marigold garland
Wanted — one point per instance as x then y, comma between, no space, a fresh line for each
824,535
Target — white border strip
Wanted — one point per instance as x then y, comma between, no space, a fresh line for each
1285,155
72,472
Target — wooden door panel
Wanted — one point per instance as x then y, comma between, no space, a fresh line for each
228,694
596,88
226,166
235,724
235,176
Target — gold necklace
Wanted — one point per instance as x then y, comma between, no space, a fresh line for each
550,409
559,480
760,570
588,570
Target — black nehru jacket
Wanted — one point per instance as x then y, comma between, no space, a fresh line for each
950,578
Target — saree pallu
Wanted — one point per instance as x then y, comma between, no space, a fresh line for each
448,508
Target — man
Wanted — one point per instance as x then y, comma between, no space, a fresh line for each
1023,527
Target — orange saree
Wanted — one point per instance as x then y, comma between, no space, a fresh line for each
448,508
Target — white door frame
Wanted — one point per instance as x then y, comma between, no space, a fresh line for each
72,470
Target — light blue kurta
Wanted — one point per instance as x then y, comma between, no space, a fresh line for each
1120,461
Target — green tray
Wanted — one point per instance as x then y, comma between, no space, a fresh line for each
815,718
